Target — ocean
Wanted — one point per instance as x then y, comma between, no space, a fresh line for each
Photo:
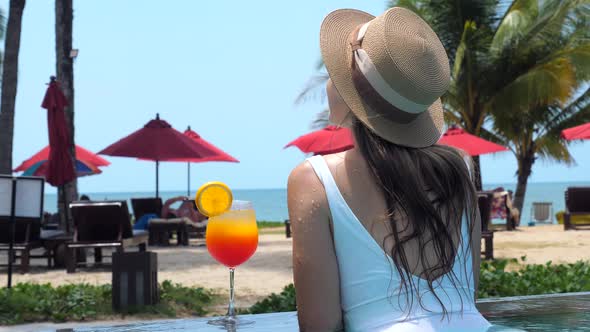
271,204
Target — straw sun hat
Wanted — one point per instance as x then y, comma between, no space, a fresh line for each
399,66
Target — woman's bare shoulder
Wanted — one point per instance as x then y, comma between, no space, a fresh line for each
302,172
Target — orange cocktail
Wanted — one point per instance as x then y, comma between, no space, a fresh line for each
232,237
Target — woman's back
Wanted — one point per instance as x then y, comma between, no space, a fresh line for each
372,296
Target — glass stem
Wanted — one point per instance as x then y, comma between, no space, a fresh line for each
231,310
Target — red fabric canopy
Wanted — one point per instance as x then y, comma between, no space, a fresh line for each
218,154
578,132
329,140
60,165
473,145
157,141
81,154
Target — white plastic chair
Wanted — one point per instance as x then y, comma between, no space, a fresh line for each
542,213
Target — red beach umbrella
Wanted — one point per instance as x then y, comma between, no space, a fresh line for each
157,141
82,155
473,145
219,155
578,132
329,140
60,165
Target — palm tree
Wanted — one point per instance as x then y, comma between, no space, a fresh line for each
549,55
9,83
516,74
64,63
536,135
525,64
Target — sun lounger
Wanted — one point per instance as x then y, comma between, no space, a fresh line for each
100,225
27,237
160,230
484,202
577,202
142,206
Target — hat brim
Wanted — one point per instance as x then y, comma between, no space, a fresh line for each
425,130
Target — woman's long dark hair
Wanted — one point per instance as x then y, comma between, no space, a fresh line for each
431,189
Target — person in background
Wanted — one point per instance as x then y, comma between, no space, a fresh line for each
187,209
84,197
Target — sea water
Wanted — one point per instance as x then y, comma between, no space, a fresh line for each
271,204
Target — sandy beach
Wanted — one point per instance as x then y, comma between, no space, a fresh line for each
270,269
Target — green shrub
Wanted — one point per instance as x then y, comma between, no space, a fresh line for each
494,281
269,224
28,302
285,301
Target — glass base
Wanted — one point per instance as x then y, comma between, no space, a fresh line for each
230,321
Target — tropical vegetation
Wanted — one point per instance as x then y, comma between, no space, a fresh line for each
29,302
519,71
498,278
9,82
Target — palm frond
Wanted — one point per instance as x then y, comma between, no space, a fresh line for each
547,83
322,119
314,89
552,148
519,15
468,30
417,6
576,113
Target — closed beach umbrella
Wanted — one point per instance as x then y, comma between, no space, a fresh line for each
579,132
329,140
87,163
60,165
473,145
157,141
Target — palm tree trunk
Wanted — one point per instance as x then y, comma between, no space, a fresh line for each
64,16
525,166
477,173
9,83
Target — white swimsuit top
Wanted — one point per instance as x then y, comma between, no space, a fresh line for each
371,298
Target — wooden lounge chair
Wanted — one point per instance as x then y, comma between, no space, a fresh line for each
143,206
28,214
160,231
541,213
577,202
484,201
100,225
27,236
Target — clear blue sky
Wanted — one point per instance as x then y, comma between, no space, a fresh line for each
230,69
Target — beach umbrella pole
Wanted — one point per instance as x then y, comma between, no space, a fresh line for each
188,179
157,178
11,231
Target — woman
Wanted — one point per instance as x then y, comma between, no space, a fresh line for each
386,236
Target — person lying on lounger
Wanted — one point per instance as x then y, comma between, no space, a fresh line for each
187,209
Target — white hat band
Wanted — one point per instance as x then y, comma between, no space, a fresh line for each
378,83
